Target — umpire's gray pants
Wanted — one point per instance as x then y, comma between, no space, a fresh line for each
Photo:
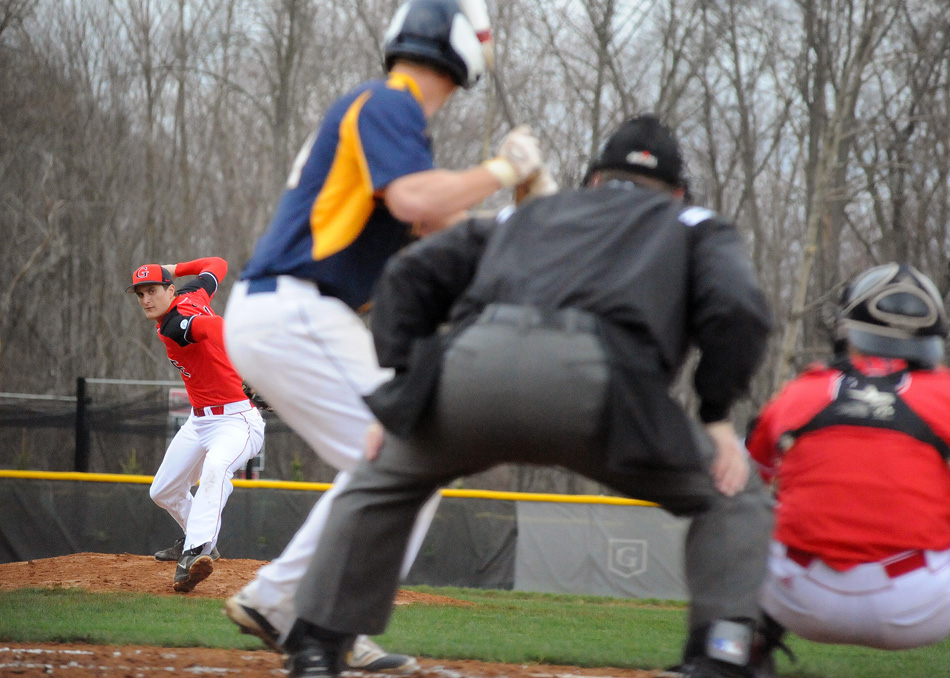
524,395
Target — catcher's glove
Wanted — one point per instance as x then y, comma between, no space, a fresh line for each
256,398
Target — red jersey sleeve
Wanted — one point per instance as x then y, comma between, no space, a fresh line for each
203,327
762,446
800,400
216,266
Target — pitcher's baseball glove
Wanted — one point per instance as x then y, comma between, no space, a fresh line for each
256,398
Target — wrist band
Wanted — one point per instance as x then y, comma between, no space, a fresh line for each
502,170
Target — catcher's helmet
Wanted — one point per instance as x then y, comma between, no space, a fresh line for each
895,311
439,34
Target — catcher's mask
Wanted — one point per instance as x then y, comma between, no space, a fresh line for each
439,34
895,311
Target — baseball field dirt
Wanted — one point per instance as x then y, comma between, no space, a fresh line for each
128,572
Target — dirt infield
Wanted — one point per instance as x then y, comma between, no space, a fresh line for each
143,574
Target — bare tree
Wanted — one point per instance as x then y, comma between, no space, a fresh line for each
138,130
14,12
832,125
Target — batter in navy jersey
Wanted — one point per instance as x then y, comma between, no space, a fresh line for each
331,227
224,430
361,187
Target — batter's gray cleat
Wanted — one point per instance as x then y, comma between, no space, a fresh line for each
250,621
368,656
173,553
193,568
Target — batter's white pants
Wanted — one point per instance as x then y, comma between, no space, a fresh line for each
312,359
209,449
860,606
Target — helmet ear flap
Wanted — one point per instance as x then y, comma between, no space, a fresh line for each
477,13
466,45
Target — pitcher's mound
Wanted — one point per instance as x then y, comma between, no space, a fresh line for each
143,574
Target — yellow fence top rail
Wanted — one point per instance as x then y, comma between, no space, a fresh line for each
321,487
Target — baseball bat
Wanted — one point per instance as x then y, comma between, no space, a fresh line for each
477,13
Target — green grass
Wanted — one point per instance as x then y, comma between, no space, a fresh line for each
72,615
543,628
502,626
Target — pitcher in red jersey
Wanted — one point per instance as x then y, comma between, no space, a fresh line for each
224,430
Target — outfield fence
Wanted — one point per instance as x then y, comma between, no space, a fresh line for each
590,545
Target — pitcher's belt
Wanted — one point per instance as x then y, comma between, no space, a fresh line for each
227,408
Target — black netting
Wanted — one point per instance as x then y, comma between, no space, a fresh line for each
127,428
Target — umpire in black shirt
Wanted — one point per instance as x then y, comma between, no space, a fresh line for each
551,337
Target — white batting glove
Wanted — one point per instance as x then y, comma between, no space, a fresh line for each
519,156
542,184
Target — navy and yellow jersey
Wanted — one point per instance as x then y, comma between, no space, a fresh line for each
330,226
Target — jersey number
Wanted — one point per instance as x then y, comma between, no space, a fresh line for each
300,161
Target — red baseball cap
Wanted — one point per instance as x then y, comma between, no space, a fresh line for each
149,274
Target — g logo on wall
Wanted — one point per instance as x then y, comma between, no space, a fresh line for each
627,557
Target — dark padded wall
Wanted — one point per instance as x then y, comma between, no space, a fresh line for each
471,541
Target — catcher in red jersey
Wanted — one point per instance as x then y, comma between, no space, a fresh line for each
858,451
225,429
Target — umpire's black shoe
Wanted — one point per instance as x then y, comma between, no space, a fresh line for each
728,648
174,552
193,568
311,657
312,662
704,667
314,659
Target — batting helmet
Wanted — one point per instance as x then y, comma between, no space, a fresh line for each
895,311
439,34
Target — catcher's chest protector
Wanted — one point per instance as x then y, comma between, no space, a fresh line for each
874,402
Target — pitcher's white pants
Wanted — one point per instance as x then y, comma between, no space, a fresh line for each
312,359
209,449
860,606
